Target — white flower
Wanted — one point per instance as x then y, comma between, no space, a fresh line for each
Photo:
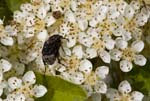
77,78
137,46
5,65
90,53
109,43
69,16
120,21
102,71
137,33
125,65
29,20
129,12
124,87
135,5
60,68
137,96
126,35
115,54
49,20
122,6
96,5
83,24
78,51
124,93
11,30
85,39
73,5
85,66
26,7
41,12
113,94
65,29
20,97
31,55
29,77
141,19
65,51
93,22
100,87
100,14
56,7
42,35
113,14
19,67
39,90
140,60
94,32
118,31
8,41
18,16
10,97
105,56
121,44
28,32
14,83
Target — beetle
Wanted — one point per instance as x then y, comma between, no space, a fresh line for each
57,14
50,51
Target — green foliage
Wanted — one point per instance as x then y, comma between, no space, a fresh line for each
5,13
60,90
15,4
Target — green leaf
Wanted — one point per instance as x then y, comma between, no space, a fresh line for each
5,13
60,90
140,78
15,4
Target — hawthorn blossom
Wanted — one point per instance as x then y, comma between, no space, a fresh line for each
124,93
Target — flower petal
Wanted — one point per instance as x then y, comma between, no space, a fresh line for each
105,56
29,77
100,87
113,94
39,90
77,78
14,83
137,96
140,60
5,65
125,65
124,87
85,66
109,43
121,44
42,35
138,46
20,97
90,53
102,71
78,51
115,54
8,41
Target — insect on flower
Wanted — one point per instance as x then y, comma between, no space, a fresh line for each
50,51
57,14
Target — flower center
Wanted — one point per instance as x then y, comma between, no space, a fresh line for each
128,54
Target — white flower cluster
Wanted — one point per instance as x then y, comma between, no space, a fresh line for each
124,93
108,29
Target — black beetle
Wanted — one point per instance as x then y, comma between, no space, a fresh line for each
50,51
